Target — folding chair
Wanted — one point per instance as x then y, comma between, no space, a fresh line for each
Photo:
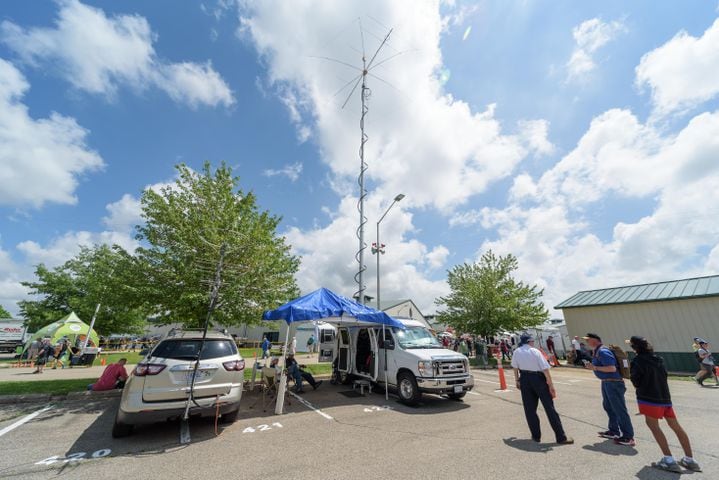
270,388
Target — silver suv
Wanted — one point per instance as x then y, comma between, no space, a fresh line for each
159,386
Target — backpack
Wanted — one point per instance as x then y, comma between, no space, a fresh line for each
622,360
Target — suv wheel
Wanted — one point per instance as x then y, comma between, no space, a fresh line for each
121,429
408,390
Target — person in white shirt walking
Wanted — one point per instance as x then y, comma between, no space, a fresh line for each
531,374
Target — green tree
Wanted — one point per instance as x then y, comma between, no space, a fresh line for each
100,274
485,299
185,225
4,313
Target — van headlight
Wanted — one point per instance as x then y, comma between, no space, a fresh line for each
426,369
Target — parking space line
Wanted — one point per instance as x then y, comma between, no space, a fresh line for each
310,406
493,383
474,393
23,421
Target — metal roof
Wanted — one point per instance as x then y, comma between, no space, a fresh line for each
648,292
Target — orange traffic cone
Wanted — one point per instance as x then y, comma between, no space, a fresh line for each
103,362
500,370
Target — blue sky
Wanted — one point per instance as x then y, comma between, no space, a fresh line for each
596,150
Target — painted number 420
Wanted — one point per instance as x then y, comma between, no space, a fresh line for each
262,428
74,457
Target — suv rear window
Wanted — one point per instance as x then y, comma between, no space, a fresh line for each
187,349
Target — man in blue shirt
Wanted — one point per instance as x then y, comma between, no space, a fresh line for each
265,347
604,365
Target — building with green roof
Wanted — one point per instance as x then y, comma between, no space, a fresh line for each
669,314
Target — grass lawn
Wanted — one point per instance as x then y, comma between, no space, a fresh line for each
62,387
51,387
314,369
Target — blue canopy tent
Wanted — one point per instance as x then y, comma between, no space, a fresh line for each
325,305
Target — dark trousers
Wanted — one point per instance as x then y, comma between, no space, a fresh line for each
616,407
534,389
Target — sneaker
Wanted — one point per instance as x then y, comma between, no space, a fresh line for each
669,467
566,441
317,384
699,382
690,465
629,442
609,434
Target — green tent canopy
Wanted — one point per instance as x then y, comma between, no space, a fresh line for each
69,326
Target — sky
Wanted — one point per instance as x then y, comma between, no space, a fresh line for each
581,137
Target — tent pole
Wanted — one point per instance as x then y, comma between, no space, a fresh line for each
92,324
283,378
384,344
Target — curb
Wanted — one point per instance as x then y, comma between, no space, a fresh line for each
44,398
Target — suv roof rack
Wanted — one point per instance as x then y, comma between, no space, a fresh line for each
178,330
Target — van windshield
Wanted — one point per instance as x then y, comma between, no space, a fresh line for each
416,337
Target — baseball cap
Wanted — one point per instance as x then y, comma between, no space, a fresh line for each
592,335
699,340
525,338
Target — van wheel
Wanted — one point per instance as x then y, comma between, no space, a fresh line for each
120,430
457,396
408,390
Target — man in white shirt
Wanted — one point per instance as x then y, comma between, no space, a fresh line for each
531,373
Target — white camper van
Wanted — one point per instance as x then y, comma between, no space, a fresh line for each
416,361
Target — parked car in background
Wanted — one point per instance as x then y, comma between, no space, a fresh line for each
159,386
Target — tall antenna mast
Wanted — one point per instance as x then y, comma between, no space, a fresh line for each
365,92
364,97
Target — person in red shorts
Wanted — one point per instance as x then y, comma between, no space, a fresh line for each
650,380
113,377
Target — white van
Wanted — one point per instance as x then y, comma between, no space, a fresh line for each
416,361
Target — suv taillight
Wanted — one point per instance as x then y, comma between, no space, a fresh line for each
144,369
234,365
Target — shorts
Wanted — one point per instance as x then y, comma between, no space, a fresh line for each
656,411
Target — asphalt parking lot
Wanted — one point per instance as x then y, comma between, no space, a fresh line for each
331,435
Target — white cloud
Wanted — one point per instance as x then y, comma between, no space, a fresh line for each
437,257
10,277
194,84
549,224
124,214
291,171
682,73
62,248
328,256
589,37
41,160
423,142
534,134
98,54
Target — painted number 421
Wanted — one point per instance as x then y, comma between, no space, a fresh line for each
262,428
74,457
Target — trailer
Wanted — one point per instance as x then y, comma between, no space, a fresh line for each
12,334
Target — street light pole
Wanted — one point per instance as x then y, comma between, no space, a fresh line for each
379,248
